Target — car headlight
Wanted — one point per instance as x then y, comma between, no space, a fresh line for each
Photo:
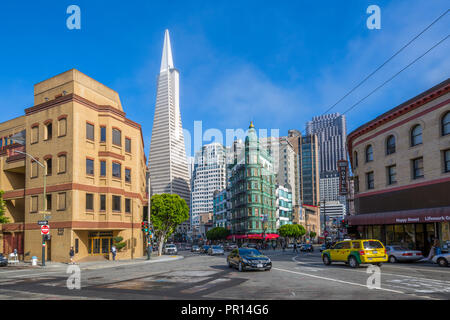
245,260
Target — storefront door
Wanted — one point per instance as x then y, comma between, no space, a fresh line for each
99,245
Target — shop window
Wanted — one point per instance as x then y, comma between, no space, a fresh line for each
416,135
90,131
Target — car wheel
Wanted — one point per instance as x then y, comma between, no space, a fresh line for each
326,260
442,262
241,267
353,262
392,259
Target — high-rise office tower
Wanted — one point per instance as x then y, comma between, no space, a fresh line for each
167,162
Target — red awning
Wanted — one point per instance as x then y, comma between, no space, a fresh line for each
272,236
429,215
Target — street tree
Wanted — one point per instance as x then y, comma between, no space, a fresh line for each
167,212
3,219
217,233
292,231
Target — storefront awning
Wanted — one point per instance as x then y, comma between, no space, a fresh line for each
259,236
428,215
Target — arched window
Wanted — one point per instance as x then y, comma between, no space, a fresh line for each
416,135
369,153
390,145
446,124
355,160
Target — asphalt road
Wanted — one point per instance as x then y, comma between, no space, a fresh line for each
293,276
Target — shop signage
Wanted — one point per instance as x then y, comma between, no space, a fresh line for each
342,169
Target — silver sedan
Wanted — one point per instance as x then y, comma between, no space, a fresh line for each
442,260
400,254
216,250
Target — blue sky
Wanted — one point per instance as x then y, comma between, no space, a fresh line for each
278,63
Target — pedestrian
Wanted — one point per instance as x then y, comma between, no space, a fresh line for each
435,249
284,246
114,252
71,255
295,247
274,245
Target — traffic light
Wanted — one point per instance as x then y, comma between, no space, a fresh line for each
144,227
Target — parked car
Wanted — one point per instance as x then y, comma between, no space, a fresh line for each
170,249
356,252
205,249
442,259
290,246
3,260
306,247
216,250
230,247
248,259
195,248
249,245
400,254
187,247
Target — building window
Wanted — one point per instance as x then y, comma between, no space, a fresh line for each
446,154
355,160
48,131
370,180
116,169
116,203
417,168
103,202
127,205
34,169
369,153
48,202
392,174
48,166
34,134
34,204
89,166
62,164
90,131
102,134
127,145
446,124
102,168
62,201
416,135
117,137
127,175
390,145
62,127
89,201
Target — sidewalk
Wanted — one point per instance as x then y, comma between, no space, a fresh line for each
92,265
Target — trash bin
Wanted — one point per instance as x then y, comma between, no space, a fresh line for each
34,261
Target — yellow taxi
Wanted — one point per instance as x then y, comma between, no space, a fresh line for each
356,252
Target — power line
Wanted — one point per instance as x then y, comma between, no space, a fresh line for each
396,74
384,63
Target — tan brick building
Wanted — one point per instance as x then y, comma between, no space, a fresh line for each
401,167
95,172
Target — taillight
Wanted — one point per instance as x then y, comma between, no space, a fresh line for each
407,254
419,254
361,252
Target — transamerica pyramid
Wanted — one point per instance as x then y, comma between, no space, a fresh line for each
167,160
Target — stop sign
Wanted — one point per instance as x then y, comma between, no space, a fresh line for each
45,229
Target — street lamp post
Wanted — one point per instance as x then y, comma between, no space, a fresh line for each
149,210
45,199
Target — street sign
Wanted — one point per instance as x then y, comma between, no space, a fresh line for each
45,229
42,222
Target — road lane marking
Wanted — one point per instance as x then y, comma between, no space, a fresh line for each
336,280
382,272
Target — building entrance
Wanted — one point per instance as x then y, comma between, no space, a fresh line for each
100,242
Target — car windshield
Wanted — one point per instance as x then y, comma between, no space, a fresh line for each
399,249
170,246
249,252
372,245
217,247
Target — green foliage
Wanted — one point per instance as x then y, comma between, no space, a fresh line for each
167,212
118,243
3,219
312,234
217,233
292,231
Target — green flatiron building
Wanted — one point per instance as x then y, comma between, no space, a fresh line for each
252,189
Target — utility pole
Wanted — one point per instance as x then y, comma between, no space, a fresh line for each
149,210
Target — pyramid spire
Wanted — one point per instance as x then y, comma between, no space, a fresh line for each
167,60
